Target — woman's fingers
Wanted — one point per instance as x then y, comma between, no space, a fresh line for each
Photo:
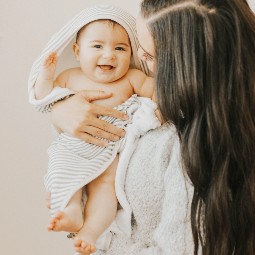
90,139
106,111
104,125
93,95
99,133
78,117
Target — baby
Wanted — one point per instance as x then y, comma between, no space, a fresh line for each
103,51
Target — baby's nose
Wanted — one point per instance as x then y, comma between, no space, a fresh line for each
108,54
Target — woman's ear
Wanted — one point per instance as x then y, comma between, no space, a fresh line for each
76,51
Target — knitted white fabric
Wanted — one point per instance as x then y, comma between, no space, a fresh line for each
64,37
160,197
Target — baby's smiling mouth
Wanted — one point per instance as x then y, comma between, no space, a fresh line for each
106,67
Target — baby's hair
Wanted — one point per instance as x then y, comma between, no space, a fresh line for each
109,21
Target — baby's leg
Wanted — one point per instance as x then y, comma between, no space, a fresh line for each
100,210
70,219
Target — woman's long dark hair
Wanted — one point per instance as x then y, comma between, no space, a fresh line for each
205,85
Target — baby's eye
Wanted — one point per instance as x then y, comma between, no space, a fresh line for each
97,46
120,48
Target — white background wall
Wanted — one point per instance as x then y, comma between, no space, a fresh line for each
252,4
25,27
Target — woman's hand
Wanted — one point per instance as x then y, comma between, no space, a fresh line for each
78,117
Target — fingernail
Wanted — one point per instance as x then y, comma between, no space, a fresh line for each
123,133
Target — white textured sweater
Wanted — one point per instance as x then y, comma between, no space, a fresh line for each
160,196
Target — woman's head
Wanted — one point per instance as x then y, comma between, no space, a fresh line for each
205,84
194,41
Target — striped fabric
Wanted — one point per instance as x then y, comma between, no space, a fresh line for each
64,37
74,163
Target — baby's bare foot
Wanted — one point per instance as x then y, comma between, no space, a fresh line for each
69,220
84,243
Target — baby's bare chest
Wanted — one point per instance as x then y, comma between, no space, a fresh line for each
121,90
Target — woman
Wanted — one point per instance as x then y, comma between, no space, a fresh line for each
206,51
192,186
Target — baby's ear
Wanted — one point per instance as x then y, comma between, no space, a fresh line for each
76,51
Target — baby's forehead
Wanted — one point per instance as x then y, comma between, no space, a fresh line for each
103,22
109,22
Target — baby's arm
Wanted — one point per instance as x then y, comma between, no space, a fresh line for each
45,81
141,83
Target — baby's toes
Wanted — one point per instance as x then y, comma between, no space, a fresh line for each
51,225
85,246
77,242
93,248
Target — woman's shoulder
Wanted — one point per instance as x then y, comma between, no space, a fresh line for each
166,132
162,138
155,149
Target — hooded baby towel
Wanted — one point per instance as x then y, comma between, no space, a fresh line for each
65,37
74,163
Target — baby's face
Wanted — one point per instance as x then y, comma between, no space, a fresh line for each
104,51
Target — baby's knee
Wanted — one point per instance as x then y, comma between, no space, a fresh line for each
103,179
106,179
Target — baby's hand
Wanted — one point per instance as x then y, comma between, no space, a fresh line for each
49,66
